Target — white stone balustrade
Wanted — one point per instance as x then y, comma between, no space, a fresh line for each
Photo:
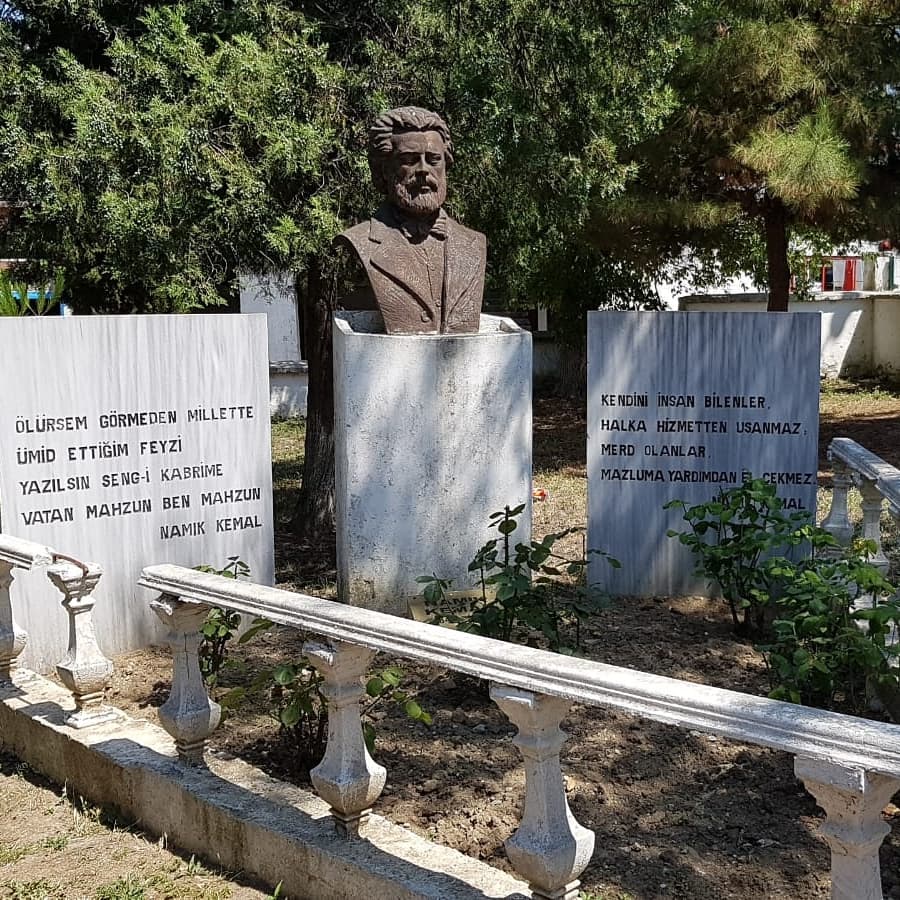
15,553
879,483
84,670
550,848
837,523
851,765
875,479
347,778
189,715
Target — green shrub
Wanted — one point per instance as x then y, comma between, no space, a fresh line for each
296,701
730,536
825,648
221,625
832,613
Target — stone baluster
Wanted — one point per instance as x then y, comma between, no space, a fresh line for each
188,715
550,849
12,638
872,503
837,522
853,800
348,779
84,670
893,637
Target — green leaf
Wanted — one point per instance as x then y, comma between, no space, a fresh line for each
256,628
284,675
369,736
233,699
290,715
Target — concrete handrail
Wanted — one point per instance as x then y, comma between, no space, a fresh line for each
813,733
877,480
22,554
869,466
851,765
863,461
15,553
84,669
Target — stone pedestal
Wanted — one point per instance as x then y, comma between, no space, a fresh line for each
432,435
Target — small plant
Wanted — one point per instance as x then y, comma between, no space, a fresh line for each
15,299
221,625
57,842
33,890
519,589
128,888
730,535
386,686
301,709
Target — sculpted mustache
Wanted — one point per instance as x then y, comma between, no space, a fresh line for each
414,183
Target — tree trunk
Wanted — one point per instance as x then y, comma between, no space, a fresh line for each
314,516
572,380
775,218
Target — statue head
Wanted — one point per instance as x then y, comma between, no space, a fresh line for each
409,153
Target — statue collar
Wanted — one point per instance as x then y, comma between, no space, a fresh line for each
417,229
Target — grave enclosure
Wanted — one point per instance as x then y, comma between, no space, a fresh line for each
246,822
146,438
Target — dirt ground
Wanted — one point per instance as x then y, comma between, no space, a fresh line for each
676,814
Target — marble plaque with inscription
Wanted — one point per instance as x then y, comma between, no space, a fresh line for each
127,441
680,406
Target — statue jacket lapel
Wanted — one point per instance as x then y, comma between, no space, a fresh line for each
397,261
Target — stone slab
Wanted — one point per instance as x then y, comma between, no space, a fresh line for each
125,493
665,383
432,435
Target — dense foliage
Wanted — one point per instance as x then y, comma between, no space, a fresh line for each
786,123
826,617
159,149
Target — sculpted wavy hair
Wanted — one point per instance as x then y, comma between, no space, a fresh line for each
400,121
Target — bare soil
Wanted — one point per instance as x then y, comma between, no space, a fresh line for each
677,814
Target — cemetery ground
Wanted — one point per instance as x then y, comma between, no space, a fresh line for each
676,814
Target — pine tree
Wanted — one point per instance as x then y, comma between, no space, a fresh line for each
785,120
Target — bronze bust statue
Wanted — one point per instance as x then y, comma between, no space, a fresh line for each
426,271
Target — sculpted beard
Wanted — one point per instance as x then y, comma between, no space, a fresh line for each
406,194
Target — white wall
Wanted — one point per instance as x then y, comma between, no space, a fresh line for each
860,331
128,441
681,405
275,296
432,434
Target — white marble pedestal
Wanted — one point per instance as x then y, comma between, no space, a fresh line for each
432,435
